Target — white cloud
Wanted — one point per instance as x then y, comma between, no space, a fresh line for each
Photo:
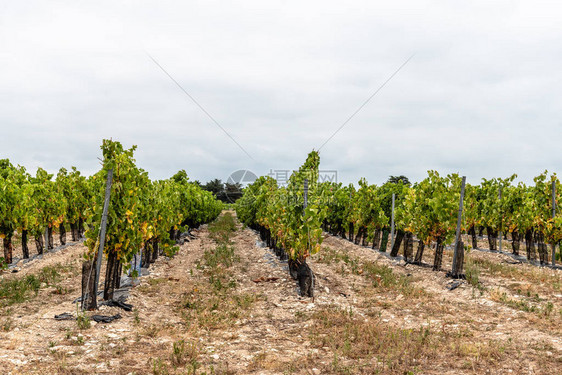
480,97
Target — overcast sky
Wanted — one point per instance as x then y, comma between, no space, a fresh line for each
481,96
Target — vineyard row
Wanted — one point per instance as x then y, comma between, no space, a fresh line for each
291,219
141,213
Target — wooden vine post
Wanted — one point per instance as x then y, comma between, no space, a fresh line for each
305,275
350,225
458,256
501,218
553,216
89,291
392,223
103,227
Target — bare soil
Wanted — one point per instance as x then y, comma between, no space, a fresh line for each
370,314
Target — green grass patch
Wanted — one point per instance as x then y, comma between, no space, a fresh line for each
19,290
534,275
222,255
472,273
532,305
222,229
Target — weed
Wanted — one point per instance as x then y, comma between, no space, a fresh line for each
156,281
50,274
62,365
60,290
82,320
244,301
547,309
7,325
151,331
7,312
159,367
192,367
222,255
178,353
183,353
472,272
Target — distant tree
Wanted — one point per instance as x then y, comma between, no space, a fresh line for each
225,192
232,192
214,186
397,179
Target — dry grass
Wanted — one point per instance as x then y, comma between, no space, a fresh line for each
470,332
381,277
362,345
544,277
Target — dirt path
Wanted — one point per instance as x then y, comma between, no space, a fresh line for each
370,314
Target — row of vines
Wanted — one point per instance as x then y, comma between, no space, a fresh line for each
36,205
426,212
142,213
280,215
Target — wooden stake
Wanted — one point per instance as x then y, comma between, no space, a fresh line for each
103,227
553,215
501,218
457,255
392,224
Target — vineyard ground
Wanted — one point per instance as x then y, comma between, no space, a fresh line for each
370,314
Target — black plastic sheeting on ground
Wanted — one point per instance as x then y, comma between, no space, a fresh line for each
65,316
118,303
96,318
454,285
105,318
79,299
